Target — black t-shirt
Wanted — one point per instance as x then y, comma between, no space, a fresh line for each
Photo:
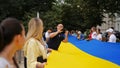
54,42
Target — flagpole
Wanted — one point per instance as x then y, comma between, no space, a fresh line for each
38,15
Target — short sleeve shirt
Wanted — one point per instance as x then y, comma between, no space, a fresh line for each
112,38
54,42
94,35
47,35
99,36
5,64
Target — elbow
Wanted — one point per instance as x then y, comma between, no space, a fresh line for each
66,40
51,36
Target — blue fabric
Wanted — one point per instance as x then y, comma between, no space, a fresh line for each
104,50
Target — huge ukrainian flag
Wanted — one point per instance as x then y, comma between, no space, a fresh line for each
85,54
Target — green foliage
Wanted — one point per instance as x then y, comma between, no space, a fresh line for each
53,17
24,9
74,14
83,14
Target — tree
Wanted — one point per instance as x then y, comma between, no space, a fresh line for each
24,9
83,14
54,16
10,8
79,14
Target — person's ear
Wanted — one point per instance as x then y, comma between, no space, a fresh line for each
17,39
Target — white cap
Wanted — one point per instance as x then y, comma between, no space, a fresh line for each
109,30
79,32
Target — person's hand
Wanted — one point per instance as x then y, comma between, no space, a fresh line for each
66,33
59,31
40,65
49,49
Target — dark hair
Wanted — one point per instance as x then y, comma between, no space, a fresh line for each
94,28
99,30
8,29
112,28
1,39
50,28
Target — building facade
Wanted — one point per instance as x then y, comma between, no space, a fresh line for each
110,22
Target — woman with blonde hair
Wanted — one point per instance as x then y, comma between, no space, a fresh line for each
35,47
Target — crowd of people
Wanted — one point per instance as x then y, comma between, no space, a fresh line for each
95,33
12,39
36,47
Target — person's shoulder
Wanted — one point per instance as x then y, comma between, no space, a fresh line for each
31,41
95,32
46,32
3,63
2,66
100,34
112,36
2,59
34,41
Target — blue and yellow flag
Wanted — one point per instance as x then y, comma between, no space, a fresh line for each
85,54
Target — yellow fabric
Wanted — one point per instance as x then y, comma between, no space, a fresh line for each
69,56
33,49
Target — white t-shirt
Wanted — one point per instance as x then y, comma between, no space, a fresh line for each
94,35
5,64
112,38
47,35
99,36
